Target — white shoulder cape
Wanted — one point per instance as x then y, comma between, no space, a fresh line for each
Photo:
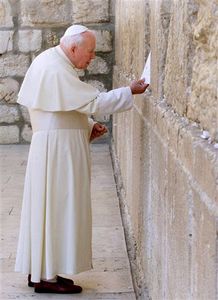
52,84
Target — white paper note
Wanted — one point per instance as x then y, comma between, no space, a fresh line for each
146,72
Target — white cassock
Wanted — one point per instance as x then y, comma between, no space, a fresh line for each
56,221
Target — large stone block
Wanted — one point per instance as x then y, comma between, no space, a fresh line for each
159,25
180,54
178,230
129,16
103,40
173,125
158,164
51,37
203,104
159,117
9,134
203,251
123,127
45,12
6,38
160,172
8,90
142,182
135,171
126,164
185,151
13,65
92,11
205,169
26,133
112,8
148,108
157,240
155,212
30,40
98,66
9,114
25,114
5,14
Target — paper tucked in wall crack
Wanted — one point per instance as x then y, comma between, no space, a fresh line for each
146,72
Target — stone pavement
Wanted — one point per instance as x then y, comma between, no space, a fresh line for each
110,277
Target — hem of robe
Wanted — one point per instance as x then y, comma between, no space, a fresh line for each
52,275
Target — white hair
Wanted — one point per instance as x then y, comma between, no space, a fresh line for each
73,40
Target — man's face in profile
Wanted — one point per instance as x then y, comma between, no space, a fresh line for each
84,52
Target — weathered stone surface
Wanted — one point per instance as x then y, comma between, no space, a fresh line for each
126,27
30,40
204,247
25,114
5,14
160,20
203,104
45,12
179,55
6,41
9,134
8,90
103,40
98,66
51,37
9,114
92,11
13,65
162,158
185,151
177,224
205,169
26,133
158,165
112,8
99,85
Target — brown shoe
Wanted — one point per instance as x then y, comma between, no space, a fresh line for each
65,280
59,279
57,288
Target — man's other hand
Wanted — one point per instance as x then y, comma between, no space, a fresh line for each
97,131
138,86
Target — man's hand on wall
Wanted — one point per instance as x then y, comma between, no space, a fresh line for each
97,131
138,86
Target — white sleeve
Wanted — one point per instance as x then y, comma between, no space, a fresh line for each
107,103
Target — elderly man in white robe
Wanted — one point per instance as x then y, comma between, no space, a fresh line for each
56,222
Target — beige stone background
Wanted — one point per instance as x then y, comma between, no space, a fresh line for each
167,174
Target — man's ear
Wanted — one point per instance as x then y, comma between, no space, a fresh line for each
73,49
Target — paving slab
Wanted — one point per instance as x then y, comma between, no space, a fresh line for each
110,277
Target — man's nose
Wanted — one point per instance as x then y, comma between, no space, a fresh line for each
93,55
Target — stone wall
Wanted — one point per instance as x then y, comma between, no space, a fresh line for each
166,172
27,27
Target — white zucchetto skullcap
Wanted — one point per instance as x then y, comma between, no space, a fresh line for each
75,29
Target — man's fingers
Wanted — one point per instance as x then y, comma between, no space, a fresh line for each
141,80
138,86
100,127
98,130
